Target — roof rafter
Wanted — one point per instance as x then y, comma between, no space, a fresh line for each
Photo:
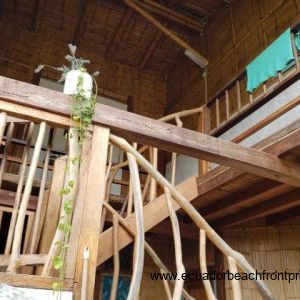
171,15
86,13
119,32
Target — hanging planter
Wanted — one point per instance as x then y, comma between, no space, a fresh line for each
72,80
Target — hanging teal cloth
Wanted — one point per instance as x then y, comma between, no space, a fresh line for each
273,59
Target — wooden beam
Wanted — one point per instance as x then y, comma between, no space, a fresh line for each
150,50
279,144
171,15
187,231
155,133
32,281
91,217
248,197
190,51
267,208
283,216
188,188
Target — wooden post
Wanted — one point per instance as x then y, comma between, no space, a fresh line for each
238,95
295,52
203,267
203,127
2,124
218,113
236,287
5,153
227,105
92,211
114,286
153,184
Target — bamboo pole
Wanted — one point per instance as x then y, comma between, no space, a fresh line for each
14,215
140,237
3,117
236,287
72,175
10,132
179,123
166,286
107,195
203,268
153,184
16,246
85,270
146,187
41,198
114,286
177,245
150,251
167,32
194,215
170,117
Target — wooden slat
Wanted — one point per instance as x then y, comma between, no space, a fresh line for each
283,216
188,188
165,136
31,281
25,259
256,193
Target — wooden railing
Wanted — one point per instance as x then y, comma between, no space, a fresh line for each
233,103
112,128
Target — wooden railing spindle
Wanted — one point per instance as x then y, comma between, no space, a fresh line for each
16,247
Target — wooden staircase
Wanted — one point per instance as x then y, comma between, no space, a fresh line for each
114,127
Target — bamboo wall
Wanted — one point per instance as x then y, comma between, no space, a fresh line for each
21,51
234,36
271,249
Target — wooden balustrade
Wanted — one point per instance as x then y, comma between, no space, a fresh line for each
96,176
254,100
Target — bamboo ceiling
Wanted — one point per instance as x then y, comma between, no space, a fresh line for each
111,29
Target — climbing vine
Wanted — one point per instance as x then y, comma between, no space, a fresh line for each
82,111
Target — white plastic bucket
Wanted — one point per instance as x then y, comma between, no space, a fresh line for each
71,82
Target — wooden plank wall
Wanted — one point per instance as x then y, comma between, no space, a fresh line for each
21,51
271,249
234,36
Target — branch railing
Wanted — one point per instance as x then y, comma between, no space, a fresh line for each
173,196
94,179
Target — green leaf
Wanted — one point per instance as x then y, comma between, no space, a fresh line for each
57,286
57,262
68,207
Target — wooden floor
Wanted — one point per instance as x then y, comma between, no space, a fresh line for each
228,197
